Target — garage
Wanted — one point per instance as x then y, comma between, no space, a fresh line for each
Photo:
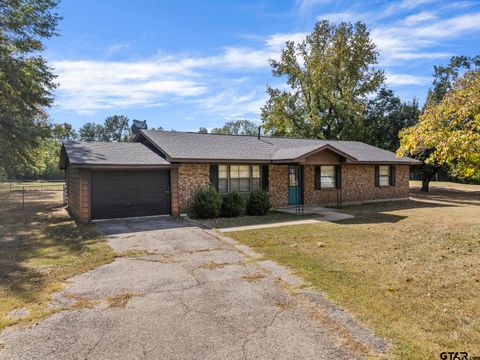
129,193
117,180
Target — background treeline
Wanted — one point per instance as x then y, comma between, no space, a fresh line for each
335,91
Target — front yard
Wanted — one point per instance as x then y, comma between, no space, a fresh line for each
410,269
40,247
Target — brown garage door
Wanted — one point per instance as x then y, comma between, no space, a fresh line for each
117,194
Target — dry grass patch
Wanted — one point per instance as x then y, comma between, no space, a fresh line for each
254,277
212,265
409,269
40,247
120,300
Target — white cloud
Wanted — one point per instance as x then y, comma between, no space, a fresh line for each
420,17
90,85
230,104
116,48
407,41
276,42
305,5
406,79
341,16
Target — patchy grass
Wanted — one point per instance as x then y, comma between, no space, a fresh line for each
447,184
40,247
270,218
120,300
32,185
212,265
254,277
410,269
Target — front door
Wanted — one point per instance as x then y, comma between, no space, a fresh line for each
294,197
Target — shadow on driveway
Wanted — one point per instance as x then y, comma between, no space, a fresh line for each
133,225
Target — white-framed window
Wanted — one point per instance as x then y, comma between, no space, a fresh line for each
222,178
244,178
384,175
256,177
327,176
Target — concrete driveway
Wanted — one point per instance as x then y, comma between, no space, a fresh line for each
181,292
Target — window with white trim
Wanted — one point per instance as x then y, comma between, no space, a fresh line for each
384,175
256,177
244,178
222,178
327,176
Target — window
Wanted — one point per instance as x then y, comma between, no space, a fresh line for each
384,175
222,178
256,177
244,178
327,177
292,177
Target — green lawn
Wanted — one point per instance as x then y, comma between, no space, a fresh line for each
409,269
40,247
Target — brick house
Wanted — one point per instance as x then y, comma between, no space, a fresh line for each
160,172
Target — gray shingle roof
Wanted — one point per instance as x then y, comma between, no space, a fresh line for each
110,153
181,146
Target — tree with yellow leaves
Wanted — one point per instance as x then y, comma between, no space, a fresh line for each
448,132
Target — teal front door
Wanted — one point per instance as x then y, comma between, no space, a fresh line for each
294,185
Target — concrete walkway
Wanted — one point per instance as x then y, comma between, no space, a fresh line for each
188,293
270,225
325,214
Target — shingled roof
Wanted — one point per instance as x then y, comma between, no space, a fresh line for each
187,146
104,154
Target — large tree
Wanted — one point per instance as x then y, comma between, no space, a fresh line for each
91,132
330,75
236,127
63,132
385,116
26,81
114,128
448,131
445,76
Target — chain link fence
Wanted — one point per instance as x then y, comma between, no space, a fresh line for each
27,192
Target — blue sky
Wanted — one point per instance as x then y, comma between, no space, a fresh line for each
186,64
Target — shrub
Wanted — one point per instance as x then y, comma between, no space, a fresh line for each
258,203
233,204
207,203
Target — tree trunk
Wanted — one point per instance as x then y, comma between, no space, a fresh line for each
428,174
425,181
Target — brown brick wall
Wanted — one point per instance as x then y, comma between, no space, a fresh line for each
174,200
358,184
278,185
191,177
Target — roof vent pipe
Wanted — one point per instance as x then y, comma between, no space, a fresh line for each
259,128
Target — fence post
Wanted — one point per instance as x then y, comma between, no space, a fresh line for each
23,197
41,185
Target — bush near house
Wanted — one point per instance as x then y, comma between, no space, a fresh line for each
207,203
258,203
233,204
